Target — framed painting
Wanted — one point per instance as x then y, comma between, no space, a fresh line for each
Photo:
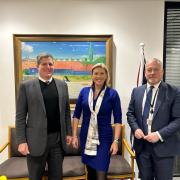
74,56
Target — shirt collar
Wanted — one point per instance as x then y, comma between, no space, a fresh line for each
156,86
40,78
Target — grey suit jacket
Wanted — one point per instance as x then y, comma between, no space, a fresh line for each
31,119
166,119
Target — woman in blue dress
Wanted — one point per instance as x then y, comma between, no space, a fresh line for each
97,103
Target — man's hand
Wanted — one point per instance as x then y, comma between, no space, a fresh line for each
152,137
68,140
23,148
139,134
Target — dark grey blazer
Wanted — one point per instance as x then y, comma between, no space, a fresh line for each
166,119
31,120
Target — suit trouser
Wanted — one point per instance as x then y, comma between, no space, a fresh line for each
152,167
53,156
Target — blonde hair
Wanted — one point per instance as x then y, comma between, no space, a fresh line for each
103,66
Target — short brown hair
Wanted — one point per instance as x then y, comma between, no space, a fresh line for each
43,55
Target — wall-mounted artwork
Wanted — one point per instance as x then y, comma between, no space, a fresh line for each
74,56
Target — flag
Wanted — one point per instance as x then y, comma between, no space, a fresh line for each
141,77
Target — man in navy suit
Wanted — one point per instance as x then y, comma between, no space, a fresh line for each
156,133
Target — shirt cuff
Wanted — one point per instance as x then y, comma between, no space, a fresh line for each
161,139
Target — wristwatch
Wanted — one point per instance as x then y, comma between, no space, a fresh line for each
116,140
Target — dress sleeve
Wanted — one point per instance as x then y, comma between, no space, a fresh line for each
117,113
78,108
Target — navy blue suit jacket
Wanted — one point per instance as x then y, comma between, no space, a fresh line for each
166,119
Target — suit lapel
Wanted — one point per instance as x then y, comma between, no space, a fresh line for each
140,102
39,93
60,92
160,97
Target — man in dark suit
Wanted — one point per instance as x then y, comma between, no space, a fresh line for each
43,125
154,118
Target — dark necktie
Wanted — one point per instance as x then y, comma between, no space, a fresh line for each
147,109
47,82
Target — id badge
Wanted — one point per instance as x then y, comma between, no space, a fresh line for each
149,121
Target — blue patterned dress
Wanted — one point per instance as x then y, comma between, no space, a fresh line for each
110,104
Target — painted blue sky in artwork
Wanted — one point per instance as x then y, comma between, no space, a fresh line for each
63,50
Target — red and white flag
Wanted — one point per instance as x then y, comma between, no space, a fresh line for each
141,77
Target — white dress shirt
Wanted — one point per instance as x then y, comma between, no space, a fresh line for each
155,92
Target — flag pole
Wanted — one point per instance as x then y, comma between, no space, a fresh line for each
141,78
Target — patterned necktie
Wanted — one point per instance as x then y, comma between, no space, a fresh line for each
147,109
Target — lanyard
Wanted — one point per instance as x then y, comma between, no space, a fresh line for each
150,118
153,101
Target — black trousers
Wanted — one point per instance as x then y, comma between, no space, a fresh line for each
152,167
53,157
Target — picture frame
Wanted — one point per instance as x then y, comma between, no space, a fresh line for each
74,56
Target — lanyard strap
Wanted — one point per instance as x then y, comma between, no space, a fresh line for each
153,100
